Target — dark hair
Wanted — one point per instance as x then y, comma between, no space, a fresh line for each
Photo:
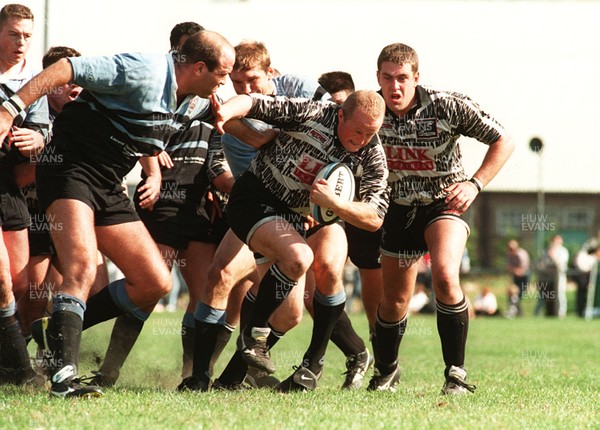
16,11
399,53
337,81
56,53
183,29
205,46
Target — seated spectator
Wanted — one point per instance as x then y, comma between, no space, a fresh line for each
485,303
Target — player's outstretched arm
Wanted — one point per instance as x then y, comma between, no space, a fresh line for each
235,107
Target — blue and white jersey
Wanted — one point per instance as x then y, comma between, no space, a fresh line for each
136,93
239,154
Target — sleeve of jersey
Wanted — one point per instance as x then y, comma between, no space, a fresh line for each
374,189
472,121
37,117
217,164
114,74
283,111
101,74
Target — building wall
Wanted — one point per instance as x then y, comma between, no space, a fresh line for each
497,217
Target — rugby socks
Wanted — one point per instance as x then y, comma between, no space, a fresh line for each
64,333
207,322
247,309
327,310
13,349
274,289
188,330
223,336
345,338
274,337
124,334
388,336
109,303
453,326
236,369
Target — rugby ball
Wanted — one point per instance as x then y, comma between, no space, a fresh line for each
341,181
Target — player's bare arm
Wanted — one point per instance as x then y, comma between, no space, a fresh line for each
461,195
249,136
235,107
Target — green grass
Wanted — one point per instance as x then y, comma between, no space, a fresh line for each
530,373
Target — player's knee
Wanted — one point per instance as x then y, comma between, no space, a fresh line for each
81,273
221,278
296,261
446,280
20,285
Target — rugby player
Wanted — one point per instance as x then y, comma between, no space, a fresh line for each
268,205
126,110
430,192
28,129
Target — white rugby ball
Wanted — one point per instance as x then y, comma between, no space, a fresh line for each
341,181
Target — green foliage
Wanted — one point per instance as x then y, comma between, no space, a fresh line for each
530,373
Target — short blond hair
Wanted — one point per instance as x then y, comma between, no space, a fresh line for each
250,54
369,102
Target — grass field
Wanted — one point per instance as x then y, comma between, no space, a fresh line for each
531,373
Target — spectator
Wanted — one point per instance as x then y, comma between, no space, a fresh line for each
486,303
518,266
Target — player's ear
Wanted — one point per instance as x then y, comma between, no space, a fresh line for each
417,77
341,114
200,66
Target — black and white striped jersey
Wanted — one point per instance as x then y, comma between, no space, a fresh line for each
308,142
421,147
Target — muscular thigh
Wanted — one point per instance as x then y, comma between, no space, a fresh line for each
139,259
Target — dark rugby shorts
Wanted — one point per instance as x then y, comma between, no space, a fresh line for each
14,214
89,183
178,235
404,228
251,206
364,247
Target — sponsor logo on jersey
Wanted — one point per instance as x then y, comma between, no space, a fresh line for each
426,128
307,169
405,158
317,136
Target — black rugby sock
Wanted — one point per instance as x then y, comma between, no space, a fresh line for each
386,344
274,337
324,319
274,289
187,345
124,334
13,349
205,339
64,333
223,335
247,309
235,371
453,327
100,307
345,338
